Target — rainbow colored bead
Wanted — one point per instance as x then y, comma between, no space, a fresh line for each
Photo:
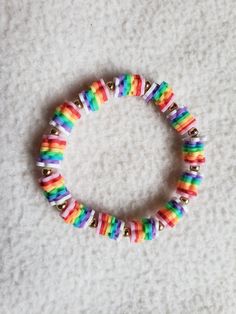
54,189
181,120
188,184
171,213
193,151
110,226
129,85
95,96
65,117
162,95
51,151
78,214
143,229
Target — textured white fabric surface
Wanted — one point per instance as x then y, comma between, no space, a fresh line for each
123,159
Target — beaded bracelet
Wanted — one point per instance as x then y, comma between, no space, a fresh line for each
53,145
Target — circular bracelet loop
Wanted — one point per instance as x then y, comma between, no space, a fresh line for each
53,146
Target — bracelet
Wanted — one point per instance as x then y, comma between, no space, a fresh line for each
53,145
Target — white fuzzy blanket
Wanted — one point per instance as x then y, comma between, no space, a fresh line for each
123,159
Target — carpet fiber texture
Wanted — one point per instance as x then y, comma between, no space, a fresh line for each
123,159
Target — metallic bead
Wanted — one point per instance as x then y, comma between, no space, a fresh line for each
147,86
54,131
46,172
78,103
94,223
184,200
161,226
62,206
111,85
172,107
126,232
193,132
194,168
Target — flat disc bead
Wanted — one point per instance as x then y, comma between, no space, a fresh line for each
129,85
193,151
77,214
188,184
54,189
51,151
148,96
181,120
171,213
161,94
96,95
110,226
65,117
143,229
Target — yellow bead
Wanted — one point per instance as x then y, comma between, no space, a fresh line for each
194,168
126,232
184,200
94,223
54,131
193,132
46,172
147,86
161,226
111,85
62,206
